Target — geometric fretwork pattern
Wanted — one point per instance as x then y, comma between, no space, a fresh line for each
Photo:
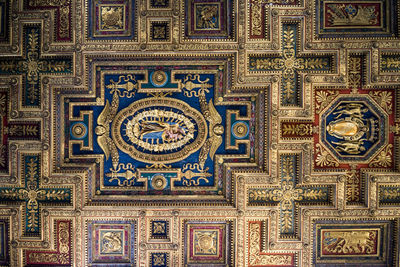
183,133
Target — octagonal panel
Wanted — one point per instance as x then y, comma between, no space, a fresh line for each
353,128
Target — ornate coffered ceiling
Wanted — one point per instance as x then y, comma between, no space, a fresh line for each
199,133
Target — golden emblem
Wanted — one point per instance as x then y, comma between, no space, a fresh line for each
111,242
158,182
208,17
206,242
352,128
112,17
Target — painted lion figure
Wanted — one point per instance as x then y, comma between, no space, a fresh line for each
358,242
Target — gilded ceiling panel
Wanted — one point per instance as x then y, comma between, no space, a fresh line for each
199,133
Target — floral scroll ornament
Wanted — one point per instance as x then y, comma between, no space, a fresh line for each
390,62
256,258
129,176
63,254
192,174
384,158
384,99
323,98
193,86
389,193
297,129
323,158
256,17
64,14
103,130
126,86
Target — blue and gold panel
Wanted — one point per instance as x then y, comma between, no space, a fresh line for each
208,243
163,130
111,242
111,20
345,19
210,19
361,242
159,29
80,130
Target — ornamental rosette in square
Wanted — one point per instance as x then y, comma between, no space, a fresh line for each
174,129
208,243
111,20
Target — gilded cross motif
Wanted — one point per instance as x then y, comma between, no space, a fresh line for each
33,195
290,64
290,195
33,65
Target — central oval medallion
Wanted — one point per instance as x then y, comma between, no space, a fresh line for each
159,130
